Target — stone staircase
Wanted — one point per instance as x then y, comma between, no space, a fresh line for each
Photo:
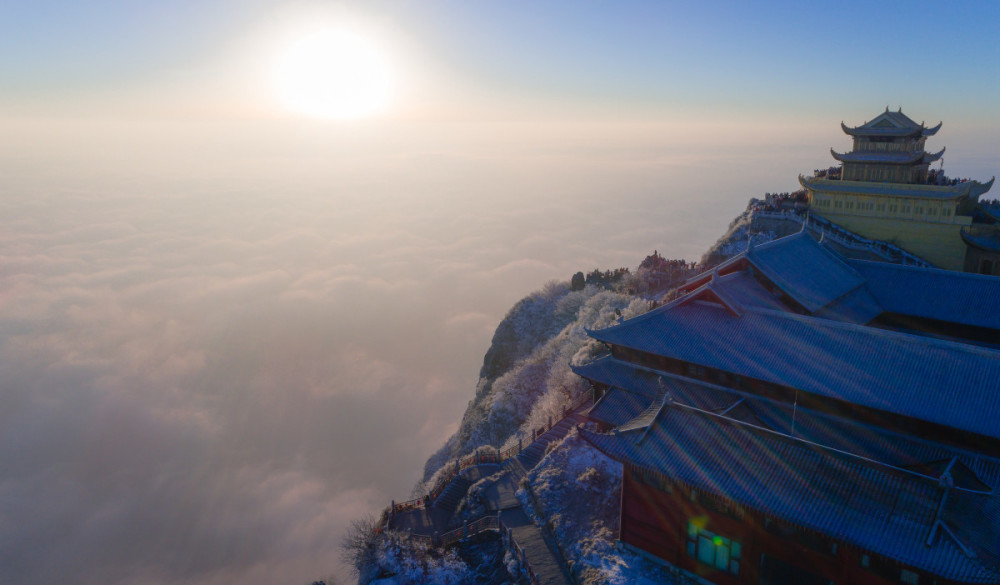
533,453
459,486
453,494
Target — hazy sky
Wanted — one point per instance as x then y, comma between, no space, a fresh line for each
228,329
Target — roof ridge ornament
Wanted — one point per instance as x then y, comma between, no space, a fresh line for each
666,400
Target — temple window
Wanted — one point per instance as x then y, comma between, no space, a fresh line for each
713,550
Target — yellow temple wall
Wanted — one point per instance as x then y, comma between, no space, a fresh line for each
938,243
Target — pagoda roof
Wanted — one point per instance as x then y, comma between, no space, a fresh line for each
989,242
891,124
897,158
991,213
890,511
972,189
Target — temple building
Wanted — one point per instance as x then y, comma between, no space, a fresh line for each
887,190
797,417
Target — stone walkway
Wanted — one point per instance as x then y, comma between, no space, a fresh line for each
543,559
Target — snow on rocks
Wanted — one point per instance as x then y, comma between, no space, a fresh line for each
578,489
400,561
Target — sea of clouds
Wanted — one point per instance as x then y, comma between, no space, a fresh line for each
218,348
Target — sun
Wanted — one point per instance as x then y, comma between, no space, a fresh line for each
333,73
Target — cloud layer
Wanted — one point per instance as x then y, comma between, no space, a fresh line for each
214,355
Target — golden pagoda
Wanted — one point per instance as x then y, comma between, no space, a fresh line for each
887,191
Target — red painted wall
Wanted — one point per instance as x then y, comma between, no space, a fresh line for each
656,521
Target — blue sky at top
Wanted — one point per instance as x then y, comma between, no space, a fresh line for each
729,55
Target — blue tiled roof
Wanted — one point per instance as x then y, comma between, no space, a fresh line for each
870,506
857,306
608,371
857,291
896,372
811,274
618,406
823,268
618,374
984,240
824,429
957,297
745,290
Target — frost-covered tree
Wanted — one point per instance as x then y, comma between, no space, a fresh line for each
539,384
578,489
398,560
358,547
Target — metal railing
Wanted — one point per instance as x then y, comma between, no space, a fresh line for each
484,524
846,238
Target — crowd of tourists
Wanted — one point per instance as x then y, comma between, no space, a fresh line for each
832,173
796,201
938,178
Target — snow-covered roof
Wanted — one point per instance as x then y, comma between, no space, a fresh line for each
813,275
836,432
618,406
943,382
876,507
853,291
943,295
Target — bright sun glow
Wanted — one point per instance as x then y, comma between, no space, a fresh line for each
333,73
